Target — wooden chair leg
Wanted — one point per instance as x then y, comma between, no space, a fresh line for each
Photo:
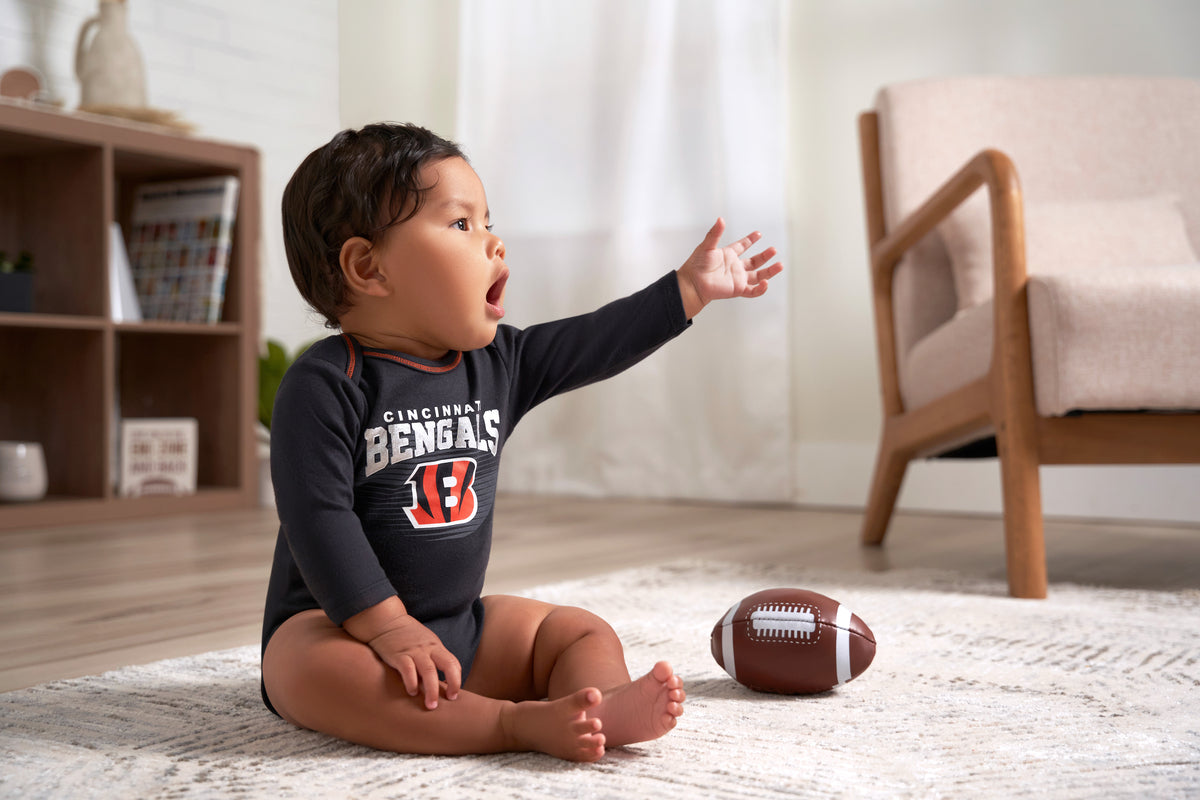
885,488
1024,540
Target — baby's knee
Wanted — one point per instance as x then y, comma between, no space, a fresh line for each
569,623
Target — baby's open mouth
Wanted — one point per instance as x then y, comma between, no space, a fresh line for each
495,295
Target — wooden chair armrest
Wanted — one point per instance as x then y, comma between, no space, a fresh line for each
988,167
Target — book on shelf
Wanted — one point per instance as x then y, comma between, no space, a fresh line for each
158,456
122,297
181,237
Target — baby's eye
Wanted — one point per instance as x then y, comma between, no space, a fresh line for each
461,224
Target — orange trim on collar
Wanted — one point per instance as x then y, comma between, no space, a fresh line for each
350,351
408,362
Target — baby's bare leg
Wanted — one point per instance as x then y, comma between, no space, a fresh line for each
319,677
561,650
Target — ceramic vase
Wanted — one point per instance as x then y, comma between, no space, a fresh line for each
22,471
109,64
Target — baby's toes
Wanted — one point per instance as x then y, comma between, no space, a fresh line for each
591,747
586,726
584,699
662,672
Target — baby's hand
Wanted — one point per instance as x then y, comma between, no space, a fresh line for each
716,273
417,654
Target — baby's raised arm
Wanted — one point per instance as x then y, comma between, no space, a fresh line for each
713,272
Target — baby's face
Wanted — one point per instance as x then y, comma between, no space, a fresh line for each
447,266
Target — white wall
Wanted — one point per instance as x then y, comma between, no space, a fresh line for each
399,62
263,73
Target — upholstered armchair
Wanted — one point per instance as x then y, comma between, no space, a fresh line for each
1035,282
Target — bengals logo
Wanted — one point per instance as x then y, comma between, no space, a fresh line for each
442,493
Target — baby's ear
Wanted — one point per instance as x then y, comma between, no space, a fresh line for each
359,268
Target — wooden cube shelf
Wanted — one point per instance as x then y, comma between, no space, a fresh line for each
68,373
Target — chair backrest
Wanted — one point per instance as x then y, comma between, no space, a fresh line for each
1072,139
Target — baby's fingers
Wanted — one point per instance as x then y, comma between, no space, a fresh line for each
745,243
452,671
762,258
712,239
420,675
764,274
429,678
408,673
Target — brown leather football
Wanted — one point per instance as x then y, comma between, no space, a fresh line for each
792,641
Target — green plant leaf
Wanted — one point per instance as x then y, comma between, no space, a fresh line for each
271,368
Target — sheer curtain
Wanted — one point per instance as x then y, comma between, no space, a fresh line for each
609,135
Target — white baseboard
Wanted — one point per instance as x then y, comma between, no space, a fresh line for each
838,474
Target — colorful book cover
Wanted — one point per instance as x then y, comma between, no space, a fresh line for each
180,241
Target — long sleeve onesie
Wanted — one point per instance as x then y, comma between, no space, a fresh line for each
385,465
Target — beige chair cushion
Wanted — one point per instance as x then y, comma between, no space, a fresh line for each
1123,338
958,352
1073,139
1068,237
1111,338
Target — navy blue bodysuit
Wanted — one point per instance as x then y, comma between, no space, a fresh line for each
385,465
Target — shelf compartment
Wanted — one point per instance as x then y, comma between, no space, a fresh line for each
55,389
52,205
131,169
187,374
139,166
64,179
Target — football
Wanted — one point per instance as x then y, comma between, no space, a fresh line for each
792,641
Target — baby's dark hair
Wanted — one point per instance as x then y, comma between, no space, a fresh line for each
359,184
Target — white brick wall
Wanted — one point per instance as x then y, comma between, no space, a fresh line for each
260,72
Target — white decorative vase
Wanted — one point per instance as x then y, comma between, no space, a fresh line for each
22,471
109,65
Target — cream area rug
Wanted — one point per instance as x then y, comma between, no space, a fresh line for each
1092,693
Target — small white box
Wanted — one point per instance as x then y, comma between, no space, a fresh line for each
158,456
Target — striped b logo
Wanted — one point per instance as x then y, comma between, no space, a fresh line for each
442,493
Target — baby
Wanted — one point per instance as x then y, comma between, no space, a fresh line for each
385,448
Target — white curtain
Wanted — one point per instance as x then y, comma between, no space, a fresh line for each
609,135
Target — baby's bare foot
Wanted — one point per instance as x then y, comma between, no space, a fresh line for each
561,728
641,710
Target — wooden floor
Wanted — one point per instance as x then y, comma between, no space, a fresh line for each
83,599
